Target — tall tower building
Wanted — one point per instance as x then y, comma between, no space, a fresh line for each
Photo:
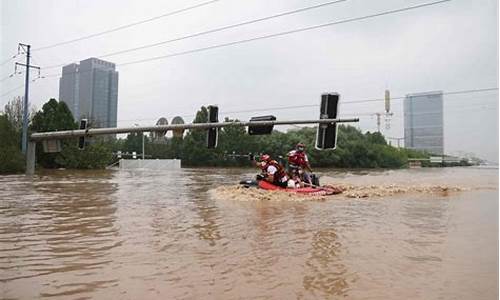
423,117
69,88
90,89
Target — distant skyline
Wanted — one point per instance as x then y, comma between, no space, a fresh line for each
451,46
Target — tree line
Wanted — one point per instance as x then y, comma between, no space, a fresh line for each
354,148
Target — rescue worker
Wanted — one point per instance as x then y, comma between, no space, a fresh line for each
272,171
298,163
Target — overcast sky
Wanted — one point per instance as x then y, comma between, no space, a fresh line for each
451,46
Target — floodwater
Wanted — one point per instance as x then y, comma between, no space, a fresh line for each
192,234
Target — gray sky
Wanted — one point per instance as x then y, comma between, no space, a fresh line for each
450,46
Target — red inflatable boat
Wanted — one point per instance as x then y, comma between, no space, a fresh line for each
313,191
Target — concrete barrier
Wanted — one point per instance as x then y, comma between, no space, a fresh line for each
151,164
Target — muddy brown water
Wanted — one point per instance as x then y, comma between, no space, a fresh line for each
192,234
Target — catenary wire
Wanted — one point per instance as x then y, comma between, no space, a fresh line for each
285,32
126,26
11,91
8,60
218,29
316,105
275,34
364,100
7,77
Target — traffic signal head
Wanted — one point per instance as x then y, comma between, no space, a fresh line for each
326,136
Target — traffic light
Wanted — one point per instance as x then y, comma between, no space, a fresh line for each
212,133
81,140
258,130
326,136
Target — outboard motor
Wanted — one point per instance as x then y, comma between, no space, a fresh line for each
314,179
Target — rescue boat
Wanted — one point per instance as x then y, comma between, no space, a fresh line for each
312,190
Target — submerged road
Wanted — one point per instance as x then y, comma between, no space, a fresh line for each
177,235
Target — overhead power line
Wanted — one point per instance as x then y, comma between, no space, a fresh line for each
445,93
358,101
286,32
218,29
275,34
8,60
11,91
367,114
7,77
126,26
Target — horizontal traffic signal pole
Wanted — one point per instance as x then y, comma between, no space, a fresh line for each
40,136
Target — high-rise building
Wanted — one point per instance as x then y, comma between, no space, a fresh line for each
90,89
423,116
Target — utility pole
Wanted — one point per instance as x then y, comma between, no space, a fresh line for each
26,48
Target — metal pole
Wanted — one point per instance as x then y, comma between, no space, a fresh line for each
40,136
30,158
26,91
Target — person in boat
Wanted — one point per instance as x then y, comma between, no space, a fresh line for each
298,164
272,171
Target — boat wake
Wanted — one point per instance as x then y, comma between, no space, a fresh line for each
370,191
242,193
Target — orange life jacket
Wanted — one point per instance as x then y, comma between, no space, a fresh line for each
280,173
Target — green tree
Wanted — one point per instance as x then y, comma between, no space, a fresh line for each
14,112
11,158
96,155
234,140
194,147
354,149
133,142
375,138
55,116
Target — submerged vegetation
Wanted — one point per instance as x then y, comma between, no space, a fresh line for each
354,148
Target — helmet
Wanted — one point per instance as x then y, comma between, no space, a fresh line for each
300,147
265,157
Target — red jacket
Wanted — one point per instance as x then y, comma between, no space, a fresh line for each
298,158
